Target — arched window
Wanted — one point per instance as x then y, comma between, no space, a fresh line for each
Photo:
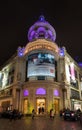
56,92
25,93
40,91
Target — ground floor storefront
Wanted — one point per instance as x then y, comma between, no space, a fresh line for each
6,104
42,106
41,97
76,104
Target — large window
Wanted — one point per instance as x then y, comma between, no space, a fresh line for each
75,94
41,64
6,77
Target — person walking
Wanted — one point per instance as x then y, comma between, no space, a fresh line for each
52,114
33,114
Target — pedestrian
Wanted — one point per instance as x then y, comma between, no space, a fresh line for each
11,115
14,114
39,110
52,114
42,110
33,114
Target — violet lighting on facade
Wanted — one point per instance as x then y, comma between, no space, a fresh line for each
26,93
41,29
80,64
56,92
20,51
61,52
41,91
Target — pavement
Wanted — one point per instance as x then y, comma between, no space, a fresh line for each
39,123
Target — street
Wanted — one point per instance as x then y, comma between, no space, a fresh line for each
39,123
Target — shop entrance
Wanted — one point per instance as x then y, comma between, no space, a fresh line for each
25,109
5,105
56,106
40,103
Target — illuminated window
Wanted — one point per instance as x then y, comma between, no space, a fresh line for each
56,92
41,91
26,93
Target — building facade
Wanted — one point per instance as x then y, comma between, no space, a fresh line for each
41,75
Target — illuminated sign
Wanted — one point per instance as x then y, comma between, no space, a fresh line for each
72,72
41,64
67,73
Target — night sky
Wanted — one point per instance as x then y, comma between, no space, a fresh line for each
16,17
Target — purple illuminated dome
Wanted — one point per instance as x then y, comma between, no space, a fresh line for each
41,29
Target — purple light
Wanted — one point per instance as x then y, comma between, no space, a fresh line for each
80,64
56,92
44,30
20,51
61,52
50,32
41,91
40,29
26,93
32,33
41,18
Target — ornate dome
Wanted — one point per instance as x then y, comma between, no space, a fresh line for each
41,29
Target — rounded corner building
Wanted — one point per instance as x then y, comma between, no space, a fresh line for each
41,76
41,91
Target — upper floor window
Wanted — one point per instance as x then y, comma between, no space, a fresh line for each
74,84
75,94
76,74
80,77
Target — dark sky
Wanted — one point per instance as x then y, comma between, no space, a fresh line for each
16,17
